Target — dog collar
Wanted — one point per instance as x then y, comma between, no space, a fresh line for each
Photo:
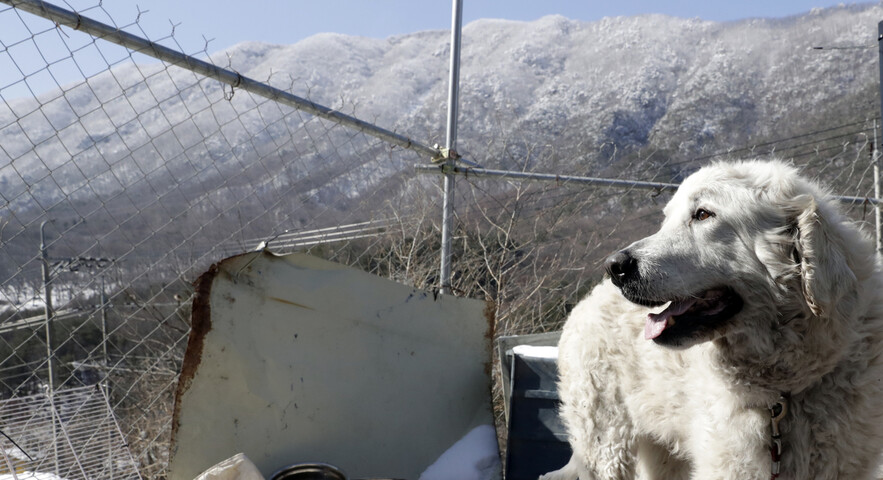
777,412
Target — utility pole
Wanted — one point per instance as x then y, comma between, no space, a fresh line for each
47,303
104,324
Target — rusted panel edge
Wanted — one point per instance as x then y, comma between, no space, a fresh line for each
490,316
200,325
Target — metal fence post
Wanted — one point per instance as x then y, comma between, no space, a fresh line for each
453,99
875,160
877,147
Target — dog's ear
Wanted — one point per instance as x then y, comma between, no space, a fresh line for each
822,256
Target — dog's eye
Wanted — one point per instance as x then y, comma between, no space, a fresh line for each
702,214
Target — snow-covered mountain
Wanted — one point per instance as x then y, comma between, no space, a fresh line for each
676,84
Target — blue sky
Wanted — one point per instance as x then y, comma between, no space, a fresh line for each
287,21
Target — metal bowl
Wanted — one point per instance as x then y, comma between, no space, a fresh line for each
309,471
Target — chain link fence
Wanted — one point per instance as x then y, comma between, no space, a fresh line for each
122,178
134,176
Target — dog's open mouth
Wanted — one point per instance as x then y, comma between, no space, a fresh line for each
688,317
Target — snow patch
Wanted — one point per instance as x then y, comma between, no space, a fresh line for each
536,351
31,476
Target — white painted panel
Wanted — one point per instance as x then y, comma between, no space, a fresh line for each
296,359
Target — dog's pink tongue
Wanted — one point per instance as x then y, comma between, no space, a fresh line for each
657,322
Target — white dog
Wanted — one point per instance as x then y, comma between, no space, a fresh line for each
743,340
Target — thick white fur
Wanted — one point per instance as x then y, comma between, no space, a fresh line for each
811,327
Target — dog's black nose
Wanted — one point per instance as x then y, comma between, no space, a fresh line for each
622,267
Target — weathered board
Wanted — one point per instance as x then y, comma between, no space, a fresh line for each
296,359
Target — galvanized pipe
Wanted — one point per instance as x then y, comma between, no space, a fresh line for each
875,159
876,146
454,79
450,144
546,177
596,181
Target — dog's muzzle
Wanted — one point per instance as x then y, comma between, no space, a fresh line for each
622,268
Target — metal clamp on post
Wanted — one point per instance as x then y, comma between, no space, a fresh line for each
444,155
446,159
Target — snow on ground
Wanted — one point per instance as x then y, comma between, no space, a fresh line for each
31,476
14,455
473,457
536,351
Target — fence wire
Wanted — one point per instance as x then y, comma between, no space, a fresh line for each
137,174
